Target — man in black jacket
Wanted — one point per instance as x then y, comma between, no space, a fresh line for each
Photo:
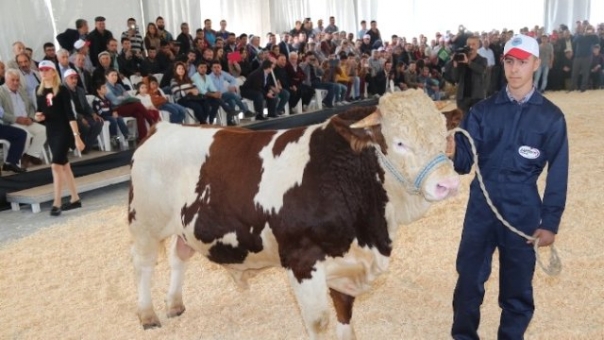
70,36
89,123
260,86
98,38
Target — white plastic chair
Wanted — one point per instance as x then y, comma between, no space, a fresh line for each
5,146
135,80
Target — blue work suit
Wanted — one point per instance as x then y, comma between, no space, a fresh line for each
514,143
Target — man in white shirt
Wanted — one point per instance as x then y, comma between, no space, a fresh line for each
212,98
19,111
486,52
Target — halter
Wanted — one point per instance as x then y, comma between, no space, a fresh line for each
414,188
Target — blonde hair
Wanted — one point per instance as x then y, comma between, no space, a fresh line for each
55,83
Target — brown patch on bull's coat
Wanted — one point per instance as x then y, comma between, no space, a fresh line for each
131,212
343,304
232,170
341,198
289,136
454,118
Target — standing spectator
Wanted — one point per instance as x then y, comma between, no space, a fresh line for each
331,28
468,73
19,111
18,48
223,33
361,33
486,52
582,51
89,123
185,39
597,63
55,109
546,54
50,52
70,36
161,29
374,33
30,79
99,38
135,37
152,37
209,33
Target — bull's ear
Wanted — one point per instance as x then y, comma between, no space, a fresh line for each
359,138
453,118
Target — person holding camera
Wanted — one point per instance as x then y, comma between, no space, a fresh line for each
135,37
469,73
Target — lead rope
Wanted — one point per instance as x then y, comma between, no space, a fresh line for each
555,265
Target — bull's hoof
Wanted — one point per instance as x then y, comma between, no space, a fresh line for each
149,320
176,311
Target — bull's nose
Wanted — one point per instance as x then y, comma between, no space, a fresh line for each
447,186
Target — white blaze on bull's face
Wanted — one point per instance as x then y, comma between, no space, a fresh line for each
415,133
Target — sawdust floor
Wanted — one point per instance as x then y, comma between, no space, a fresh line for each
75,280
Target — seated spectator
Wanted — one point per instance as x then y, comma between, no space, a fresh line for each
342,76
81,47
382,79
212,97
399,77
221,57
431,86
283,83
186,94
259,87
16,137
89,123
298,90
19,48
30,79
128,106
150,64
84,76
142,93
50,52
19,111
98,76
241,68
227,85
329,67
103,107
129,62
63,65
2,73
314,76
412,77
160,101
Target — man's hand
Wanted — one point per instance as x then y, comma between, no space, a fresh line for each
40,117
96,117
545,237
24,121
84,122
114,114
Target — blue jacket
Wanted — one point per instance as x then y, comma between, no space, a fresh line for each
514,143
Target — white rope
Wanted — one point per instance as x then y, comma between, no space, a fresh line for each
555,265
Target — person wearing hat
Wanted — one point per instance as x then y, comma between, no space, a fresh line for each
55,110
81,47
99,38
517,132
90,124
582,56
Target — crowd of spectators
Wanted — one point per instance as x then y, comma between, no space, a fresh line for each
215,68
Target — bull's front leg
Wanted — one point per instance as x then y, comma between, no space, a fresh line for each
311,294
343,304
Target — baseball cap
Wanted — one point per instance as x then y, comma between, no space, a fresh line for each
80,43
46,65
521,46
70,72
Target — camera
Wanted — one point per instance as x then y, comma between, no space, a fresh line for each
460,52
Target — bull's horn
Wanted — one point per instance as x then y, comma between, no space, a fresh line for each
373,119
445,105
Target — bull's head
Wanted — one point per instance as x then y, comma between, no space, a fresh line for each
411,135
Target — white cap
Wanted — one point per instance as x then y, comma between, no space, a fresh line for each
47,64
80,43
521,46
69,72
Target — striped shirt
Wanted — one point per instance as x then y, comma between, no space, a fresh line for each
136,41
180,91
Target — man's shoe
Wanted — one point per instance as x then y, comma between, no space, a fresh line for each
260,117
13,167
248,114
35,160
55,211
71,205
231,122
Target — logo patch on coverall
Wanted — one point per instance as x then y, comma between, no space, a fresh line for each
528,152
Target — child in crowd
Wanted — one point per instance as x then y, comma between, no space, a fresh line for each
160,101
103,107
142,93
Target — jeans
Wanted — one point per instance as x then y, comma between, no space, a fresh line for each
114,123
234,100
340,92
283,98
331,91
177,112
540,77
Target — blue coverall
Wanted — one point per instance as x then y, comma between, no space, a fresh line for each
514,142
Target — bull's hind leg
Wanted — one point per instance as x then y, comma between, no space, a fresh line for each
179,254
312,298
343,305
144,257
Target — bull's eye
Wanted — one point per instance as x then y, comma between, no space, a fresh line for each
400,147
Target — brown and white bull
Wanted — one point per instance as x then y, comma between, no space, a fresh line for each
324,201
